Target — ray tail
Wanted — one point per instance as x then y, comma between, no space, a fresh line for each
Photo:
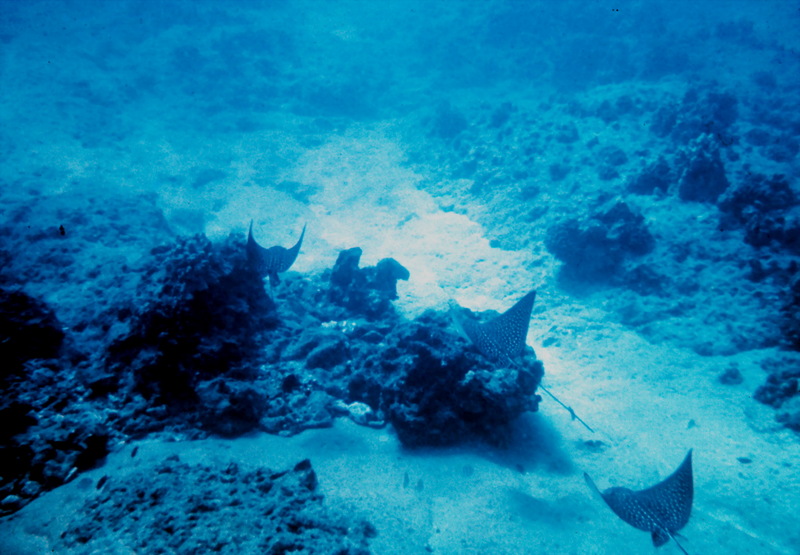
566,407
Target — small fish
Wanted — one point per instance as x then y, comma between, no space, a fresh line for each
662,509
269,262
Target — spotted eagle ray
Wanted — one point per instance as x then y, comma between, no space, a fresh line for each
503,338
662,509
269,262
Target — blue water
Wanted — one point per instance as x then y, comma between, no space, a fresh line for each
633,162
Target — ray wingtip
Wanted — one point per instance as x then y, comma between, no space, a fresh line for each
531,295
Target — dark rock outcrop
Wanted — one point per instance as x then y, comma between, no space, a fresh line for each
703,178
595,249
763,207
29,330
656,177
442,392
365,291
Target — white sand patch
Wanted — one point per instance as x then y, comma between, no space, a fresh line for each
368,198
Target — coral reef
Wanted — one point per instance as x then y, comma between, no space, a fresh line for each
418,375
50,432
39,446
790,313
768,210
200,315
760,193
203,349
177,507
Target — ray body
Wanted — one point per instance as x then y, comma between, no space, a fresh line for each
662,509
269,262
504,337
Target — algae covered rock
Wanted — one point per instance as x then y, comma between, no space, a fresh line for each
596,248
183,508
444,392
704,178
200,314
781,390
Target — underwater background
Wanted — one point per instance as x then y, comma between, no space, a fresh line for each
363,368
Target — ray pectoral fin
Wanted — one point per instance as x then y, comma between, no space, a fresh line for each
290,255
509,330
254,251
674,495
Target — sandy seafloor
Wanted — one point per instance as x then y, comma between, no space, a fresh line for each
329,122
